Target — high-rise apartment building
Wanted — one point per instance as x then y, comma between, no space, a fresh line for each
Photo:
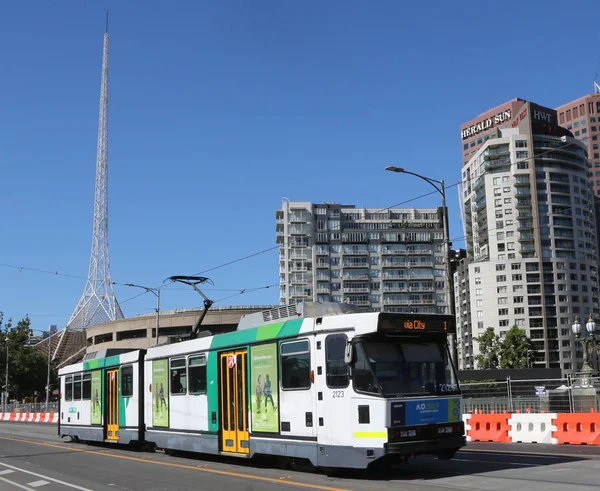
390,259
582,118
530,233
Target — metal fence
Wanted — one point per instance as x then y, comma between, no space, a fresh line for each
566,395
38,407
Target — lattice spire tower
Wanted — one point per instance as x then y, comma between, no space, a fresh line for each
98,302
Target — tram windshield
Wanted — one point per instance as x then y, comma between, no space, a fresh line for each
403,366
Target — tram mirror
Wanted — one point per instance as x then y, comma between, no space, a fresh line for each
349,354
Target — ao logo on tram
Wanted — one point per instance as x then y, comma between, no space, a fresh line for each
305,382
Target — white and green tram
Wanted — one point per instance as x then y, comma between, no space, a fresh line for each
336,389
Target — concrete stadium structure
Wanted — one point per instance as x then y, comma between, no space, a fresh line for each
140,331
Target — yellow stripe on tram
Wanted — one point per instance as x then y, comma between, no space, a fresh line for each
370,434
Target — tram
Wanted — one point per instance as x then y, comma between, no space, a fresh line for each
311,382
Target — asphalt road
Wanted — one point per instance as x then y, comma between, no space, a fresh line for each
32,457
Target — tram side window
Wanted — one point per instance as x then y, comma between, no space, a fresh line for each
127,381
86,393
336,368
362,375
197,374
77,387
69,388
178,376
295,365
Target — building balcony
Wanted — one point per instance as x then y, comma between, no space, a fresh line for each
356,290
355,264
395,289
355,277
394,301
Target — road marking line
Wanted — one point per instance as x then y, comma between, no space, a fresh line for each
16,484
37,484
534,454
272,480
502,462
74,486
7,471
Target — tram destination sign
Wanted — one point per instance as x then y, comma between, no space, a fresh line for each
396,323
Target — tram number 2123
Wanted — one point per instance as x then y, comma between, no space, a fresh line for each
338,394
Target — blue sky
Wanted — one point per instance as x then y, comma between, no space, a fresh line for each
219,109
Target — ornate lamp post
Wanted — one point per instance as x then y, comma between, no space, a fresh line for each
587,339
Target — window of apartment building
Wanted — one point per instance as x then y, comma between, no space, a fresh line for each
479,303
519,322
575,114
500,278
517,277
500,235
515,266
511,255
501,289
568,115
561,118
523,154
500,267
502,311
478,291
477,269
501,247
501,257
497,192
519,310
518,299
480,313
498,202
507,201
508,223
499,214
521,143
502,300
503,323
506,189
505,179
496,181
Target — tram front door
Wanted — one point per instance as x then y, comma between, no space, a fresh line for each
112,404
233,380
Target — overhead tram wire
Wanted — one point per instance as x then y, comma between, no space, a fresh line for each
463,181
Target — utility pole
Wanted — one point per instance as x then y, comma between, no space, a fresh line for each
48,376
6,382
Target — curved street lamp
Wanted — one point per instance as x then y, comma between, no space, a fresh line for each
439,187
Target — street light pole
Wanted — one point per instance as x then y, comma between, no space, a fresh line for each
586,340
156,293
48,375
440,188
6,381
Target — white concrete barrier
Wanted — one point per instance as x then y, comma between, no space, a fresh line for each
532,428
465,418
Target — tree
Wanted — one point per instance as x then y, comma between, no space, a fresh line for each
516,349
27,367
489,350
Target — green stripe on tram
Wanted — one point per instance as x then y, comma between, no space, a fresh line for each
102,362
247,336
